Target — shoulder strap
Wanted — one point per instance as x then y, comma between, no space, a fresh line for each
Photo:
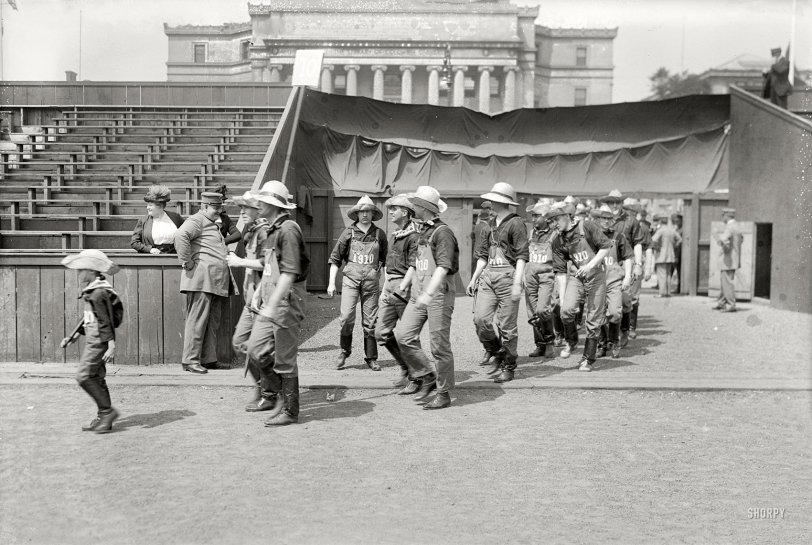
440,227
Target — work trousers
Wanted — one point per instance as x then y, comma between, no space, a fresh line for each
390,310
92,369
438,315
592,292
242,332
493,300
664,271
727,296
200,332
364,287
274,342
539,289
614,294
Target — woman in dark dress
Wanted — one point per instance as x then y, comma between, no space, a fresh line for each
155,232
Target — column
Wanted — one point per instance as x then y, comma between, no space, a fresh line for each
406,84
258,69
275,73
327,78
352,79
509,100
529,77
459,85
485,89
377,82
434,84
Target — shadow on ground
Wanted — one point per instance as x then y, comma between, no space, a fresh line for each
331,404
153,420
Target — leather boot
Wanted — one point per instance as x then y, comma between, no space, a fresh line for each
346,349
507,372
270,398
487,359
440,401
411,388
194,368
106,420
99,393
371,353
633,322
427,386
571,338
498,362
290,412
588,359
624,328
539,352
394,349
614,339
603,342
558,326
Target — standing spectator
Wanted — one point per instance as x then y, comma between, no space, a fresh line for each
363,248
99,328
205,280
433,296
155,232
254,234
729,242
676,221
776,81
664,242
500,262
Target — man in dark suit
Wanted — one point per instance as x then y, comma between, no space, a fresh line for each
776,81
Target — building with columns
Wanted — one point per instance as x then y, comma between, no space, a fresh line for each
487,55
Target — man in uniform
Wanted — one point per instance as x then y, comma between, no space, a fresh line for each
400,263
205,280
362,247
618,264
255,231
274,340
729,242
433,293
584,244
539,281
627,224
500,261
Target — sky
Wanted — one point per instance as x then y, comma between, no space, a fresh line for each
123,40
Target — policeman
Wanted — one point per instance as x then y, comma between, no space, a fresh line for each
500,262
274,340
400,262
254,234
363,247
433,294
618,264
539,280
583,243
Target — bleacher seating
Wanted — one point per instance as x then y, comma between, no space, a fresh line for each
79,182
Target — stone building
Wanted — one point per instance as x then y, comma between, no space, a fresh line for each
487,55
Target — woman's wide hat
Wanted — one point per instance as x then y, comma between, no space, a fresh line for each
429,198
365,203
94,260
276,194
501,192
158,194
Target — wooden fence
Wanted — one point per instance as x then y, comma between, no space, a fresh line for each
39,306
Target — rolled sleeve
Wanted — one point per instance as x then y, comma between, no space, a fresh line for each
341,249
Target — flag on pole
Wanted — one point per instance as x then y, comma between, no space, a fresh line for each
13,4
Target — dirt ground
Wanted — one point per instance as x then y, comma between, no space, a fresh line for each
188,465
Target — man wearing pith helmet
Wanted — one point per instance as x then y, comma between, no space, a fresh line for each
583,243
433,293
280,300
397,288
362,249
501,259
539,280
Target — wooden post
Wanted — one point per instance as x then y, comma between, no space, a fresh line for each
690,251
289,153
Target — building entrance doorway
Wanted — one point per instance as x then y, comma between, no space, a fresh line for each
763,266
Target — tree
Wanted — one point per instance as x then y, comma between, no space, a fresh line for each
667,85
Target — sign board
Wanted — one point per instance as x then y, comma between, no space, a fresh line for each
307,67
746,273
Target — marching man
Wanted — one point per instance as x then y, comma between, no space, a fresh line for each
501,258
539,281
436,263
363,247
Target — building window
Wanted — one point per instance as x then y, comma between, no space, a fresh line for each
580,96
200,53
244,45
580,56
